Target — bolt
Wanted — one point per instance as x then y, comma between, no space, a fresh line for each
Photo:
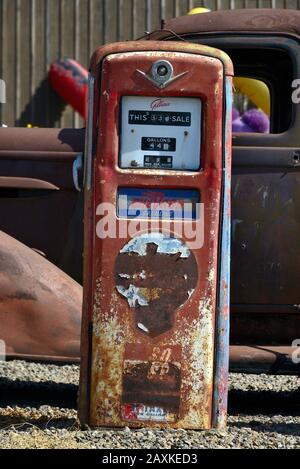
296,158
162,71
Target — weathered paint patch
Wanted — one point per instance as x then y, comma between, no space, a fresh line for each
152,382
161,276
142,413
165,245
134,296
143,328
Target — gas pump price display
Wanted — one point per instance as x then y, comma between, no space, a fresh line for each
179,119
161,133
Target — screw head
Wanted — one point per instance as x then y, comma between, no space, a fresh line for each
162,71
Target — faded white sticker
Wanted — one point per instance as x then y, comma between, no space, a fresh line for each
165,245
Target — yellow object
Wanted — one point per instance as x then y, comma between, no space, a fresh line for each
196,11
256,90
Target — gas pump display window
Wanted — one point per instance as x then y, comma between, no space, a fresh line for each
161,133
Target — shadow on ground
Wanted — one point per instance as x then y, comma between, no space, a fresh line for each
259,404
32,394
264,402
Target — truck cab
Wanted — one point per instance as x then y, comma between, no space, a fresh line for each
263,45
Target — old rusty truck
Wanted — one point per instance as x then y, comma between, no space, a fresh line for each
41,208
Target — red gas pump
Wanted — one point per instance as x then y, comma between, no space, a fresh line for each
157,217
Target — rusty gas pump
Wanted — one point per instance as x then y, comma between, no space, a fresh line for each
157,222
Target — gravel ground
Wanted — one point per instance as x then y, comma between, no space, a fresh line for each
38,410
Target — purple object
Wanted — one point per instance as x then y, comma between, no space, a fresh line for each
235,113
254,120
239,126
257,120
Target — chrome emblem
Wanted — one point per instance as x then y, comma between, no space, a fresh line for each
162,74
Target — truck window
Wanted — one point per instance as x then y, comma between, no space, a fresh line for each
270,70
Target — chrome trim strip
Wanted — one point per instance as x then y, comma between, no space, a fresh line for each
88,151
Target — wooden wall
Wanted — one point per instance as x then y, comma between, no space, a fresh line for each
33,33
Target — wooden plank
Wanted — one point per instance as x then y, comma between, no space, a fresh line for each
291,4
53,106
8,45
81,30
155,14
149,15
240,4
96,24
81,42
169,7
39,84
1,60
125,20
210,4
23,62
139,8
110,23
67,48
280,3
251,4
223,4
183,7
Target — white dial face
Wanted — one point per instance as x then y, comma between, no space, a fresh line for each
161,133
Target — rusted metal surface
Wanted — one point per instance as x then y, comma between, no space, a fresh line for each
266,236
25,183
264,359
155,285
40,306
57,141
141,46
148,328
260,328
37,177
232,21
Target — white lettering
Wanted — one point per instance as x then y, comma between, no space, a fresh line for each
296,353
113,459
296,93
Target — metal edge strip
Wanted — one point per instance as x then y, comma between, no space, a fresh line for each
220,391
88,151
